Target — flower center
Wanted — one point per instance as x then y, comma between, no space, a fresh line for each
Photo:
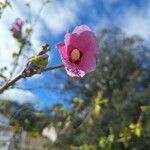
75,55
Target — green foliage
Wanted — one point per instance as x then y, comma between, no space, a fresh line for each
28,30
14,55
38,62
113,110
5,4
77,102
136,129
106,142
88,147
114,95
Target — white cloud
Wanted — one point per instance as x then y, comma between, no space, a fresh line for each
2,1
132,19
8,45
58,16
137,21
18,95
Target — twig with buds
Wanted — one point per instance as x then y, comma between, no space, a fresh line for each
30,70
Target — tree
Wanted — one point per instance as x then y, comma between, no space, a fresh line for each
115,110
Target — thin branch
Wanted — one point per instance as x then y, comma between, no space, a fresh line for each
16,61
22,75
10,82
140,117
52,68
21,49
38,17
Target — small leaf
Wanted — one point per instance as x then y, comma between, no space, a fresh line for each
14,55
28,30
144,108
136,129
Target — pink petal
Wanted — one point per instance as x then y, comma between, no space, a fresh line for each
62,49
18,21
87,41
79,29
70,41
88,63
64,56
75,72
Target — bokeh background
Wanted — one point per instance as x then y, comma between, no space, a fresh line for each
108,109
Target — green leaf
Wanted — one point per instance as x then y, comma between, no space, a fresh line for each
136,129
14,55
144,108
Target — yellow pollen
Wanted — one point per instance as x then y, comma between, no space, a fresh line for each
75,55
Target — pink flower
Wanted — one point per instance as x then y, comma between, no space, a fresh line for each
17,25
79,51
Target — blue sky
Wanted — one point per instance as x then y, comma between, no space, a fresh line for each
133,16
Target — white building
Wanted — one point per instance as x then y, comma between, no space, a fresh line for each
5,132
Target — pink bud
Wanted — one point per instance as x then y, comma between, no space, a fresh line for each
17,25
